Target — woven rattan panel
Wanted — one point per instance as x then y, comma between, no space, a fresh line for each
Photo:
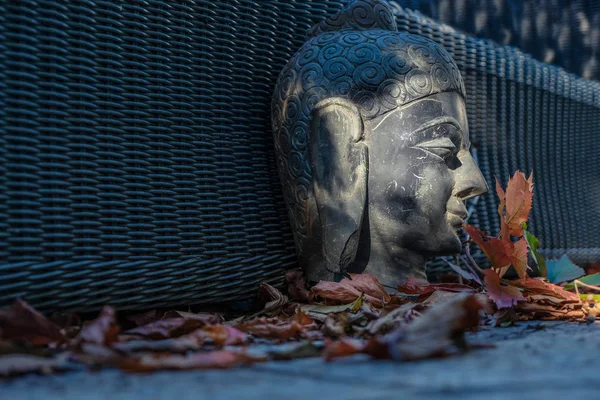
136,166
136,151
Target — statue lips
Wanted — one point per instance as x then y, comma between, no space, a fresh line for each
456,217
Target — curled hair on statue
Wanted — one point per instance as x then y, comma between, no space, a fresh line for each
360,15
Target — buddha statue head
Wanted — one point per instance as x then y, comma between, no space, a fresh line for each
372,147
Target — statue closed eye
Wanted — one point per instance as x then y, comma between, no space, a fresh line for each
372,140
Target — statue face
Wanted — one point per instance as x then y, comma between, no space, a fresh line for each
420,174
372,142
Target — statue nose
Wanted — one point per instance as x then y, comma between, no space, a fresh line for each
469,181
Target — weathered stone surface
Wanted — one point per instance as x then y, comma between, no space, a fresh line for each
372,146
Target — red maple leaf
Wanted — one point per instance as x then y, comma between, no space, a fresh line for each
503,296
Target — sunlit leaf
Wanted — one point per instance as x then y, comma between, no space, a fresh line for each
518,258
519,199
497,251
540,287
503,296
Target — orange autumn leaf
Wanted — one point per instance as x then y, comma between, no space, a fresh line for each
537,286
518,258
503,296
519,199
498,251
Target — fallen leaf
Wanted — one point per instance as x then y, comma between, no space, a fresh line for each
274,300
296,286
271,328
422,288
207,318
220,335
18,364
540,287
23,322
503,296
145,317
348,290
534,245
343,348
431,335
287,351
519,199
101,331
396,318
563,270
536,311
320,312
178,345
167,328
440,326
220,359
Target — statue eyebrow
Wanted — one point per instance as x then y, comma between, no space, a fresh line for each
457,135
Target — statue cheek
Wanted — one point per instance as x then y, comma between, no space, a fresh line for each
434,188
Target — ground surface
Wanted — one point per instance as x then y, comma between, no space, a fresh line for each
531,361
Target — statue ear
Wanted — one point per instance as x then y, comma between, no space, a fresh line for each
339,165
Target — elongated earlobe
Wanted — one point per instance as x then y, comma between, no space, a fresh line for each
339,163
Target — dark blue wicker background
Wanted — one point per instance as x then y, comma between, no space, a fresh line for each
561,32
136,162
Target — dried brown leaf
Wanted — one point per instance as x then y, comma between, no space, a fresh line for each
272,328
23,322
296,286
167,328
519,199
348,290
424,288
145,317
220,359
207,318
220,335
532,285
101,331
430,335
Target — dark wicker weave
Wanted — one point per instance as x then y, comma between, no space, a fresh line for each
561,32
136,163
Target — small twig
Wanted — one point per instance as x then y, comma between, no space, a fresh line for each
472,260
578,282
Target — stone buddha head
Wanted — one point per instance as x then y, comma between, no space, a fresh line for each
372,146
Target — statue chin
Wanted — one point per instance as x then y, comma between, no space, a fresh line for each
372,144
